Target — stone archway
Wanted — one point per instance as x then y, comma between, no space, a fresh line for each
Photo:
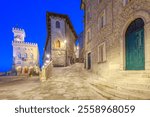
25,70
19,70
134,46
124,26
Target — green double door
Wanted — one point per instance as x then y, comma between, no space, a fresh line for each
135,57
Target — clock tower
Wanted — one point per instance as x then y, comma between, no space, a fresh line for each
25,54
19,34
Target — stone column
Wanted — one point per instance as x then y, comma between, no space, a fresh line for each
147,46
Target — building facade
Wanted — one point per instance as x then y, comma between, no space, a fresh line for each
80,47
117,37
25,54
60,42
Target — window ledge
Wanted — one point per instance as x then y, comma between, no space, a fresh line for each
101,62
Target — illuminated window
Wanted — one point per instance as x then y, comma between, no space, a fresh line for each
57,24
57,44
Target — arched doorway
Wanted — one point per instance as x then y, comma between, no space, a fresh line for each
134,44
26,70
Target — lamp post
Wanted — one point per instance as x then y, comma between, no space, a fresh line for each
47,60
65,42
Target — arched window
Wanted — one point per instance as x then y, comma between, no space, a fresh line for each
25,55
57,24
19,55
31,55
57,44
135,26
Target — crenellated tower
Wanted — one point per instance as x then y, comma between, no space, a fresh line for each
25,54
19,34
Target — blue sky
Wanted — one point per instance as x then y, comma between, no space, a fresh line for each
31,16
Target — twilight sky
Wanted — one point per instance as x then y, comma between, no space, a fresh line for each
31,16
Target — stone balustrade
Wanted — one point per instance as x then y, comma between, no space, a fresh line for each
46,72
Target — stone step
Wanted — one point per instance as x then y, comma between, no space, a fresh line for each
113,92
131,85
145,92
121,93
140,83
103,93
136,74
125,88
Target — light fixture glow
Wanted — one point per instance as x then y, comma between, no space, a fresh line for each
45,64
48,56
47,61
65,41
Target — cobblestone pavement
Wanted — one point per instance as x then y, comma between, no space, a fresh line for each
66,83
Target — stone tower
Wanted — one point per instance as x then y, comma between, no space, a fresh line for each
19,34
60,41
25,54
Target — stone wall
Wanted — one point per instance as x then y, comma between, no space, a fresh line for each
61,56
46,72
118,18
58,54
70,45
24,65
81,47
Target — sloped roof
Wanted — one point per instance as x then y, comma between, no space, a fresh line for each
68,21
82,4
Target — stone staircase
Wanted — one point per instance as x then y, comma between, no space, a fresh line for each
132,85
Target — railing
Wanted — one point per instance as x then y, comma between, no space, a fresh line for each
46,71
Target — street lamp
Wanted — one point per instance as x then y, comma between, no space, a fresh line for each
48,56
45,64
47,61
65,41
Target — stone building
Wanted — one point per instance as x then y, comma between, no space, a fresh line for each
25,54
80,47
117,37
60,42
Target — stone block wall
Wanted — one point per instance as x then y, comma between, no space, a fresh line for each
59,58
118,18
46,72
